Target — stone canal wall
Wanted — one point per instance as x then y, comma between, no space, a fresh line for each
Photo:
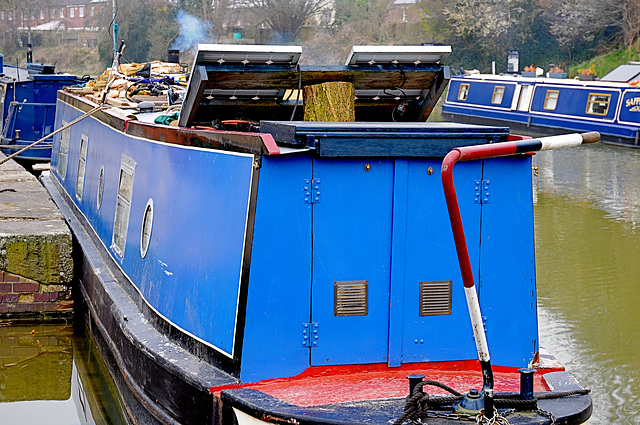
36,267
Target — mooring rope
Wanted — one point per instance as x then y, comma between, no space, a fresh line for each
64,127
419,403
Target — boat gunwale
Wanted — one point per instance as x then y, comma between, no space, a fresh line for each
231,141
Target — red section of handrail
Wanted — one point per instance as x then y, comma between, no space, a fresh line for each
469,153
454,216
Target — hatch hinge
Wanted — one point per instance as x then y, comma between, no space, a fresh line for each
310,334
481,191
311,190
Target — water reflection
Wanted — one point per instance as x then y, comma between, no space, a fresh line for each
605,175
587,214
49,375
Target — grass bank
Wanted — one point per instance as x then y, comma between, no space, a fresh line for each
606,63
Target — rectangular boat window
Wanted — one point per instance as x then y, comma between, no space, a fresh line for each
63,152
598,104
498,94
551,100
82,166
123,205
464,92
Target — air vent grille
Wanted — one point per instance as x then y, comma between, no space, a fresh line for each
351,298
435,298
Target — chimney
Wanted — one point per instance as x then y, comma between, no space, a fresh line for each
173,56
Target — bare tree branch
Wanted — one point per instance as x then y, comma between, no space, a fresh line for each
284,17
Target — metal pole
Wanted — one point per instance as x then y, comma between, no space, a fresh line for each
470,153
77,120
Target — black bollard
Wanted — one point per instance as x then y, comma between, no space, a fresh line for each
526,383
413,381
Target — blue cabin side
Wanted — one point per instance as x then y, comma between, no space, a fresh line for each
500,100
255,254
630,107
579,108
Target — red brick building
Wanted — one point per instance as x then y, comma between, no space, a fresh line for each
52,15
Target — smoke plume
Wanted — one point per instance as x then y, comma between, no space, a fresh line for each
192,32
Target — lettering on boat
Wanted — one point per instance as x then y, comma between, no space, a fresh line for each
633,104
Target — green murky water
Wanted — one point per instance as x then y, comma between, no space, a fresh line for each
51,376
587,215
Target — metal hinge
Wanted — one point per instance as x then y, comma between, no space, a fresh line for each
481,191
310,334
311,190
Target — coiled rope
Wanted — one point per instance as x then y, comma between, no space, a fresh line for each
419,403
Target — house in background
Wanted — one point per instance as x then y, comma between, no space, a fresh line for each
74,21
405,12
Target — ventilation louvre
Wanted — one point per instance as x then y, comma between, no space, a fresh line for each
351,298
435,298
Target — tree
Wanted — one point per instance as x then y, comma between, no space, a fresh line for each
631,19
571,22
499,24
363,21
146,26
284,17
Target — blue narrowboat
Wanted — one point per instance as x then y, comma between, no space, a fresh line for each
245,266
28,107
610,106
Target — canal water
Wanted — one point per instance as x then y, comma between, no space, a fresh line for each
51,375
587,210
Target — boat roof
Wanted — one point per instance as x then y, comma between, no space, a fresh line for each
539,80
15,72
623,73
257,82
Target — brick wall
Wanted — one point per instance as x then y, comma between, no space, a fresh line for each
20,296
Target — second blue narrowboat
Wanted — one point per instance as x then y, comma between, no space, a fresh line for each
28,107
544,106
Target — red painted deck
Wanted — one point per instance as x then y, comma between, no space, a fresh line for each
336,384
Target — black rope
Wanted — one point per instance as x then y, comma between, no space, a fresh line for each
560,394
399,109
419,402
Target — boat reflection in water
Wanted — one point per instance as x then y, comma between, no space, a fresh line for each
587,214
49,375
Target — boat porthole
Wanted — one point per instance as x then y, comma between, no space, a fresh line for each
100,187
147,223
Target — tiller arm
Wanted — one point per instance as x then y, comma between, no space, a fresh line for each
470,153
